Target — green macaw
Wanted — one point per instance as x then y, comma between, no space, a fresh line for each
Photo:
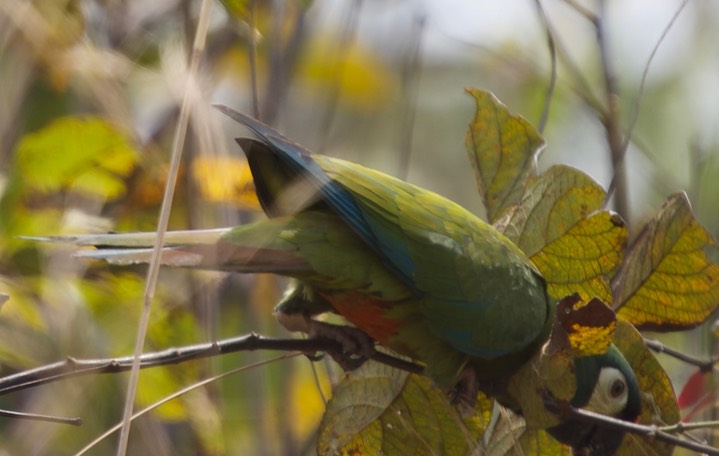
411,270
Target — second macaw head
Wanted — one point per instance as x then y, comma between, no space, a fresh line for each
579,367
606,384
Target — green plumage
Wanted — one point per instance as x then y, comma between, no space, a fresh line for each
416,272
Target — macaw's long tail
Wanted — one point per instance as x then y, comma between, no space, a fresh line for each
256,247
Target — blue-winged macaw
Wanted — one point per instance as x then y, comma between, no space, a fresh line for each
408,268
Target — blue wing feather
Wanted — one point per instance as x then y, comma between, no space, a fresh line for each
474,288
299,160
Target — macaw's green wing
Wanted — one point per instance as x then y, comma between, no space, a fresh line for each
474,288
480,293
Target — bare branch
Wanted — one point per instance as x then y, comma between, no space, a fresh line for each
703,365
590,16
553,71
177,394
611,120
189,96
637,100
38,417
411,68
653,432
339,62
72,367
253,60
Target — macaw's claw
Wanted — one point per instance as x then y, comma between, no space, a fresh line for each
357,347
315,356
464,393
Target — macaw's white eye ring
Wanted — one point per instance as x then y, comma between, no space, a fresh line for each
610,393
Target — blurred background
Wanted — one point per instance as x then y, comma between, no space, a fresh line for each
90,93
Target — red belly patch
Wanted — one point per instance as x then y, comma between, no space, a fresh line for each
367,313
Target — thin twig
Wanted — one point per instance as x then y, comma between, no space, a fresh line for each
692,426
179,393
72,367
339,60
410,84
253,61
579,84
702,364
653,432
611,119
283,55
39,417
637,100
590,16
618,156
163,220
541,125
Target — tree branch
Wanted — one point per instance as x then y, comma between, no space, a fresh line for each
702,364
654,432
552,47
39,417
72,367
611,120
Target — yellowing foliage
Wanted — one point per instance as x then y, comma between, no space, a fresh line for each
225,179
667,281
502,148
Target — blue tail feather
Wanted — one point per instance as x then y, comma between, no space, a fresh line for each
300,161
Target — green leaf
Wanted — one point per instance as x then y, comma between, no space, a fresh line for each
502,148
88,154
380,410
559,225
667,282
659,404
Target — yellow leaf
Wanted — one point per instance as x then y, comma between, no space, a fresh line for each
559,225
553,203
502,148
362,80
225,179
589,326
581,260
667,282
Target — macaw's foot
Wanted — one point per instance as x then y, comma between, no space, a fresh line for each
357,347
464,393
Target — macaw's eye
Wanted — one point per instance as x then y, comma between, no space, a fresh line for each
618,388
610,393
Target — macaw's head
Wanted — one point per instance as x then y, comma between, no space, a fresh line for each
606,384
